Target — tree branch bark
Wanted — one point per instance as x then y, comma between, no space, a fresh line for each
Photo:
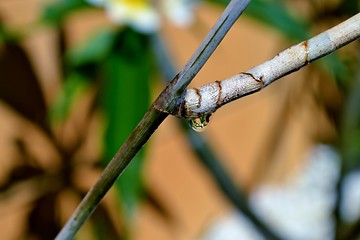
197,102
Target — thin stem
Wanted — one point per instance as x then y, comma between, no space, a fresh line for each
207,99
152,119
122,158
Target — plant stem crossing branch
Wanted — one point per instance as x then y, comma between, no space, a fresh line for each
152,119
196,102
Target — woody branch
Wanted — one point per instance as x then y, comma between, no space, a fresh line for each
196,102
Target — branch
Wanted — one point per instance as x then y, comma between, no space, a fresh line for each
152,119
196,103
207,156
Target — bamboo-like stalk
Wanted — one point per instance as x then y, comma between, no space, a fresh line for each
152,119
197,102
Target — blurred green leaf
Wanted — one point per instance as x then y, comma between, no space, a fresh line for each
94,51
103,225
274,14
349,7
7,35
73,85
56,12
82,63
125,99
351,127
337,68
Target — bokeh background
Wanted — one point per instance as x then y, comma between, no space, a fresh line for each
74,82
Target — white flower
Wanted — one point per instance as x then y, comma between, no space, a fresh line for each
302,208
233,226
180,12
144,16
350,207
139,14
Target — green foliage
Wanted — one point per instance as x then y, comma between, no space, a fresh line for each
57,12
349,7
274,14
96,50
120,61
73,85
124,96
277,16
82,64
351,127
6,35
337,68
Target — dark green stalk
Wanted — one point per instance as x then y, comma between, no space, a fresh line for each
152,119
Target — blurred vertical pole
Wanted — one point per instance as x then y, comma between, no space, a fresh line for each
350,151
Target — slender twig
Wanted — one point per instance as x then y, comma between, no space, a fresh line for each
152,119
197,102
207,156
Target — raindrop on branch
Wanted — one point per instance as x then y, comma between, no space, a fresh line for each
199,124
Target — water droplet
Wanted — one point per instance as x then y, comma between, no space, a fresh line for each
199,124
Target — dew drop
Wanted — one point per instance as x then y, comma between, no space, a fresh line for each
199,124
